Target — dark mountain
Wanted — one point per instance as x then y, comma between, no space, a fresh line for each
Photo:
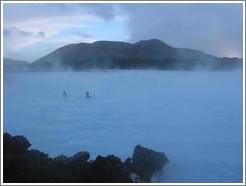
10,65
146,54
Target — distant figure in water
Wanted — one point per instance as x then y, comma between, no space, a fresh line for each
64,94
87,94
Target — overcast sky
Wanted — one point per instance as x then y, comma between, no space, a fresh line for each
33,30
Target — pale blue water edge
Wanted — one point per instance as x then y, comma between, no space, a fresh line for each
196,118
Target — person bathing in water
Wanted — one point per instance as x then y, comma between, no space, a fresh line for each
87,94
64,93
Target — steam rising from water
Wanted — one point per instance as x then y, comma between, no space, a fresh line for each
194,117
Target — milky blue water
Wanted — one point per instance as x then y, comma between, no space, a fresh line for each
196,118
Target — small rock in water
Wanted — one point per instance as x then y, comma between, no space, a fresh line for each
147,161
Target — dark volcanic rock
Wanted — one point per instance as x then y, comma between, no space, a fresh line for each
61,158
80,156
110,169
21,165
17,144
147,161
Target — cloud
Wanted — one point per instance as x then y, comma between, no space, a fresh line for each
15,38
52,18
9,32
212,28
103,11
20,13
44,25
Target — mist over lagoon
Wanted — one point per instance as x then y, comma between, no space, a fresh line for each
195,117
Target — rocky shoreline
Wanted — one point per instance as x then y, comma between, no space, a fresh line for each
21,165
